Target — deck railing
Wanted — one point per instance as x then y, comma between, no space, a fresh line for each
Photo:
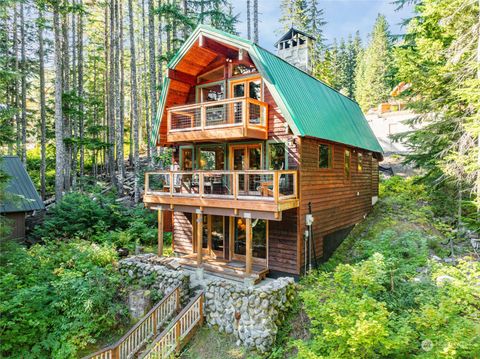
263,185
234,112
142,332
175,336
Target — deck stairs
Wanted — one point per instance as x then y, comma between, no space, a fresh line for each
161,333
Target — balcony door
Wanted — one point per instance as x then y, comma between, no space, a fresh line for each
246,157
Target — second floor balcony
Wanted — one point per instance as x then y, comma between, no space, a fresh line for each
232,119
248,190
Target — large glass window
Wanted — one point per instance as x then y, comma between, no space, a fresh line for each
277,156
325,156
259,237
218,234
213,92
360,162
211,158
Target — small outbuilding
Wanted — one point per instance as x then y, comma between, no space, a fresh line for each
21,196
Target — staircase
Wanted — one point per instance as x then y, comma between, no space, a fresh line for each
146,340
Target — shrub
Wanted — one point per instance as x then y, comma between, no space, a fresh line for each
57,298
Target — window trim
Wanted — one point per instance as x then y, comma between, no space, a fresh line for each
330,160
345,150
359,161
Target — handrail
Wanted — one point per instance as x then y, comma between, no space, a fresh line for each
268,188
197,120
146,328
174,336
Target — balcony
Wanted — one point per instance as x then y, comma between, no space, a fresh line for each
233,119
263,194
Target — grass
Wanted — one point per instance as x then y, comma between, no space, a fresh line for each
209,343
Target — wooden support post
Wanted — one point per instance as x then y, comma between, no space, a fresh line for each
199,238
201,310
248,254
155,323
177,337
160,233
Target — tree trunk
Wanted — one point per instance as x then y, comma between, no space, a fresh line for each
121,123
80,90
133,69
24,85
119,120
145,110
255,21
66,88
16,87
59,144
74,118
153,77
111,99
249,29
43,112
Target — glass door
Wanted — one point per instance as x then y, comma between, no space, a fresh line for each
213,236
259,240
246,157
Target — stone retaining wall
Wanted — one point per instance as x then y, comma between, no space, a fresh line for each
144,270
250,313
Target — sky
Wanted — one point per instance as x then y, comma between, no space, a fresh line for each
343,17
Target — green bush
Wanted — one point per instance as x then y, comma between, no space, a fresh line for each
100,219
380,295
57,298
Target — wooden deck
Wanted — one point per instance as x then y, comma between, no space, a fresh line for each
234,270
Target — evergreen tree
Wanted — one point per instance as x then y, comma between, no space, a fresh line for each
374,79
354,47
294,14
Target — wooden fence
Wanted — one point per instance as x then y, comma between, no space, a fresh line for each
142,332
177,334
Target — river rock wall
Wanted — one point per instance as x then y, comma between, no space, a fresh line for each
252,314
144,270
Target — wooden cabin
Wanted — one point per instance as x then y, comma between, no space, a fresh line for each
258,144
20,197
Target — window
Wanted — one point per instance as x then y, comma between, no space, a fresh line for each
277,156
255,90
211,158
360,162
347,158
239,90
211,92
325,156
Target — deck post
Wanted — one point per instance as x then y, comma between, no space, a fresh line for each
248,254
160,233
199,238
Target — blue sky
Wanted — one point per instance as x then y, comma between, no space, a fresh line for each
343,17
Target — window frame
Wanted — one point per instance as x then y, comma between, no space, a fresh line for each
359,161
330,159
349,176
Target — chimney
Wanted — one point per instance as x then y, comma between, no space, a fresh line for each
294,47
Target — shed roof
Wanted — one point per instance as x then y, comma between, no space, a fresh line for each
311,107
26,198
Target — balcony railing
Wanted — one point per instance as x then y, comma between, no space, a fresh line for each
250,185
247,116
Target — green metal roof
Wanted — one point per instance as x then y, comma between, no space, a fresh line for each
25,197
310,107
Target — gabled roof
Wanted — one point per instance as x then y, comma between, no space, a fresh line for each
289,34
310,107
26,198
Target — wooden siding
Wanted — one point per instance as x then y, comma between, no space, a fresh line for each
182,232
337,201
282,243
